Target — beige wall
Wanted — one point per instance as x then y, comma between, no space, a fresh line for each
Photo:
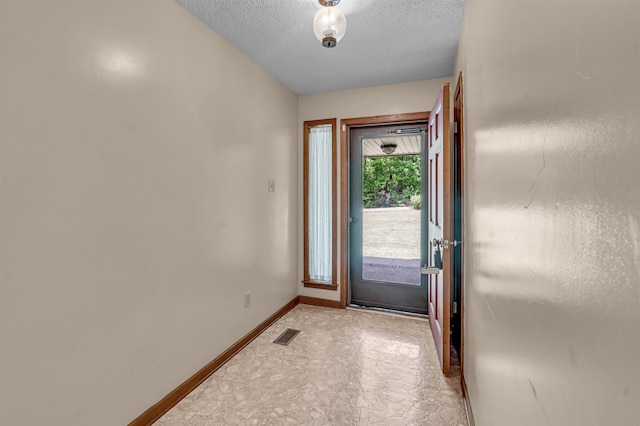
369,101
553,211
136,148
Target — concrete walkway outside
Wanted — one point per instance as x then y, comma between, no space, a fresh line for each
391,270
391,245
391,232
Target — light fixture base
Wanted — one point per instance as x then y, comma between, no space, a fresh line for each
329,42
329,3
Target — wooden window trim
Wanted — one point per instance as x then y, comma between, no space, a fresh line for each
324,285
332,285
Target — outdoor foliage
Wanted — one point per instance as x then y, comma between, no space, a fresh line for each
390,181
416,201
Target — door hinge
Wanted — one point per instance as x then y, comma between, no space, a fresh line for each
344,127
455,307
455,127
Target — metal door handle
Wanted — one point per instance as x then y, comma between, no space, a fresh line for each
430,270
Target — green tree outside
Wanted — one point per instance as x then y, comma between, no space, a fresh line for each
390,181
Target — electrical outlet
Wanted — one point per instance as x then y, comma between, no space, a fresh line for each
271,185
247,299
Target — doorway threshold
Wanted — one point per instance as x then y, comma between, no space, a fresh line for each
391,312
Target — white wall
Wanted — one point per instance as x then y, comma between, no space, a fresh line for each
369,101
136,148
553,211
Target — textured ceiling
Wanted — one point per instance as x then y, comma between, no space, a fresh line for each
386,42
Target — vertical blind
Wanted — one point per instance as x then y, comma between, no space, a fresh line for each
320,191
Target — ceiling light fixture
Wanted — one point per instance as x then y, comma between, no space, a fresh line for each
329,24
388,148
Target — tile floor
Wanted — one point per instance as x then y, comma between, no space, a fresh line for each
346,367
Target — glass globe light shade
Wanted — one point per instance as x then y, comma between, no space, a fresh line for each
329,26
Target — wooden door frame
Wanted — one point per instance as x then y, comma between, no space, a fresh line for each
345,127
458,119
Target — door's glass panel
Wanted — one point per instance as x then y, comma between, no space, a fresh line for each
391,200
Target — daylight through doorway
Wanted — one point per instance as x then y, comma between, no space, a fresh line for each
387,240
391,218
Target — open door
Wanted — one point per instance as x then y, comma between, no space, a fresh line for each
385,249
440,224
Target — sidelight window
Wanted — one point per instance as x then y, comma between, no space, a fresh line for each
320,204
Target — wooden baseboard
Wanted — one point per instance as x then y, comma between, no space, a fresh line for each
316,301
165,404
467,402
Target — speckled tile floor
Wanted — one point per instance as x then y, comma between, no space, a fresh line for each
346,367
